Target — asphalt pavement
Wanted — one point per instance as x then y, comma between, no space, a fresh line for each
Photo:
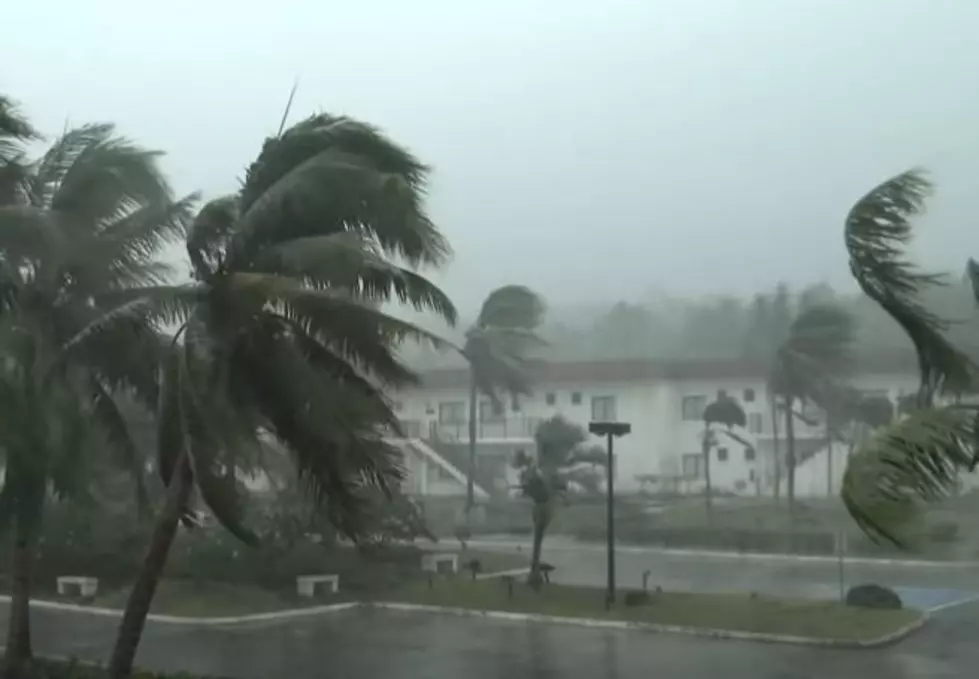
364,643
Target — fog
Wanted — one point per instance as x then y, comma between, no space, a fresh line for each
596,151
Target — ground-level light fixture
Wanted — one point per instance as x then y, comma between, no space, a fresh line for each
610,430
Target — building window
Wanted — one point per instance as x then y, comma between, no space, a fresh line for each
749,454
452,412
429,408
576,398
749,395
722,454
754,423
603,409
515,403
691,465
692,407
490,411
550,398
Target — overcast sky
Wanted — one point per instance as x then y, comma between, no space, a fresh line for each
594,150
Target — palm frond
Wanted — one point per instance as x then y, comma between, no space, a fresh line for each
512,306
29,235
878,227
208,235
915,459
326,175
349,261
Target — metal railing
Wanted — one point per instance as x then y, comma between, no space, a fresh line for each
504,428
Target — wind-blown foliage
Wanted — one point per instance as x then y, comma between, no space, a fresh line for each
281,335
545,478
77,228
876,231
724,411
498,347
919,457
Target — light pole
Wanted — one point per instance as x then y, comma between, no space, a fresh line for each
610,430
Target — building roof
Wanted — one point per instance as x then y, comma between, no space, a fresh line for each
637,370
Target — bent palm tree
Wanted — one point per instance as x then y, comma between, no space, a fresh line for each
814,353
725,411
497,349
77,228
919,457
281,334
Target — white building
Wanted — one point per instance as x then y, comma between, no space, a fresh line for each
663,401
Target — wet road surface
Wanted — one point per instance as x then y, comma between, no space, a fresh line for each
363,643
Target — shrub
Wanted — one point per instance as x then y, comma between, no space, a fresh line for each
636,598
873,596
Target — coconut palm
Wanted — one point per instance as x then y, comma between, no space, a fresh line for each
78,227
497,348
545,478
816,351
919,457
280,333
724,411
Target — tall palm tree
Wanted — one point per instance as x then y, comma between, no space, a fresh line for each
15,130
78,228
918,457
815,352
497,348
281,334
545,478
727,412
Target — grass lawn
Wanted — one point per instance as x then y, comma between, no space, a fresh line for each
820,619
194,599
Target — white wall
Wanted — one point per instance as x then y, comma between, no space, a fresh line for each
660,437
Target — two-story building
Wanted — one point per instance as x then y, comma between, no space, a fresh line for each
664,403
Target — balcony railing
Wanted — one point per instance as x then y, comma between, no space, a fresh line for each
506,428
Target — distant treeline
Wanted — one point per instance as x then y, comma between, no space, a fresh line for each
727,327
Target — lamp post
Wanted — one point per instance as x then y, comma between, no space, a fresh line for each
610,430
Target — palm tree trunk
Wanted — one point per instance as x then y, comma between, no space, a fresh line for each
790,456
829,457
708,503
471,472
19,651
535,579
778,452
141,596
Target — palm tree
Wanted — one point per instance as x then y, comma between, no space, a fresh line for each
77,229
545,478
918,457
281,334
725,411
814,353
497,349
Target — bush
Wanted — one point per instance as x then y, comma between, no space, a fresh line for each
873,596
636,598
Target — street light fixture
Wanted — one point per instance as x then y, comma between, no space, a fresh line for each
610,430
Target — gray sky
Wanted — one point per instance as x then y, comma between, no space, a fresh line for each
594,150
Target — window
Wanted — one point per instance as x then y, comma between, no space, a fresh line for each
722,454
429,409
550,398
755,423
691,465
692,407
576,398
490,411
437,472
749,454
749,396
515,403
452,412
603,409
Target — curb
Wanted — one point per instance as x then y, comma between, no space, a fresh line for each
761,637
595,623
713,554
203,622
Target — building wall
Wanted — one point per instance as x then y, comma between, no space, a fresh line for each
664,445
